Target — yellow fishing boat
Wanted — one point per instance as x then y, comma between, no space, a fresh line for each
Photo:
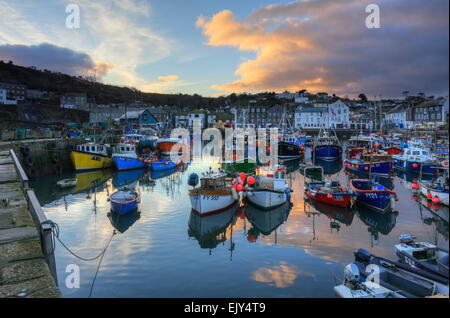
91,156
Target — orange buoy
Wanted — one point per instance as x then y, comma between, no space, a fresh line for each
429,195
436,200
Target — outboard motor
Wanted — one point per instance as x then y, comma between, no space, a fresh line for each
193,179
407,239
351,275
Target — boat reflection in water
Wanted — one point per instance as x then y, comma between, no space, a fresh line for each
411,177
377,222
123,222
91,180
127,178
266,221
155,175
210,230
433,214
334,213
329,167
291,165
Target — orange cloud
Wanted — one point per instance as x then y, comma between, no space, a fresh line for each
168,78
324,46
103,68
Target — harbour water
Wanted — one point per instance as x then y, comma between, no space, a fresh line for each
167,251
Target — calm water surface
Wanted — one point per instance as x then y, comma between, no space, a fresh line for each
165,251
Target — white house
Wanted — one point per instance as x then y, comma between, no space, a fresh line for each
285,95
339,115
4,100
396,118
445,111
310,117
197,115
336,115
301,97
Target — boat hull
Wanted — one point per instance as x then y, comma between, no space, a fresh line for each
337,199
126,163
426,168
378,200
88,161
393,151
208,202
443,196
167,148
123,208
327,152
159,166
376,168
289,151
266,199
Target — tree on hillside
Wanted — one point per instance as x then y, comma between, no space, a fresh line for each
362,97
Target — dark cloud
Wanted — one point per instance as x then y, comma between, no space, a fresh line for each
52,57
325,46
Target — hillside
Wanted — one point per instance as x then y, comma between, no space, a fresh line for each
58,83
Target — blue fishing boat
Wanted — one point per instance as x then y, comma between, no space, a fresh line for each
163,165
327,147
124,201
372,194
371,163
125,157
416,160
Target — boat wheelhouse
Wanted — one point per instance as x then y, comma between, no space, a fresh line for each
416,160
90,156
124,157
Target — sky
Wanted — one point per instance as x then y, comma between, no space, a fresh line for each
217,47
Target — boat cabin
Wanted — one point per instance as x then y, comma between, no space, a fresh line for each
417,154
125,149
377,157
213,182
93,148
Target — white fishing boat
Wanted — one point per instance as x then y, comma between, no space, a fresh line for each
435,189
67,183
423,255
269,189
213,195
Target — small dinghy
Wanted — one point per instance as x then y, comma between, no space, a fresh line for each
354,286
372,194
374,276
331,192
67,183
425,256
124,201
163,165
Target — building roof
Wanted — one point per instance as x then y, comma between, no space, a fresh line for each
132,114
312,110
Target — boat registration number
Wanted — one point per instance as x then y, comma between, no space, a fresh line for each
210,197
96,158
371,195
338,198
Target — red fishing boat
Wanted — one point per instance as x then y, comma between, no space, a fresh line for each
329,192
